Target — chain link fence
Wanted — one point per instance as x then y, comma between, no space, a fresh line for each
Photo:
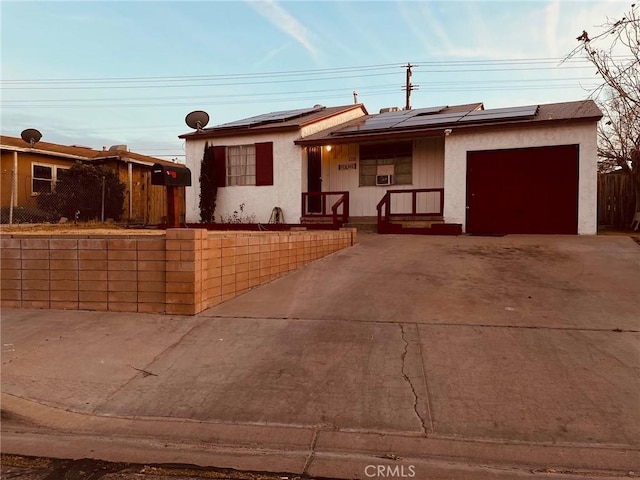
30,200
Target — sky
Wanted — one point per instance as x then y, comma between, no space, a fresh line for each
102,73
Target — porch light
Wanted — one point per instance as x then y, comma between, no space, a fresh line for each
328,147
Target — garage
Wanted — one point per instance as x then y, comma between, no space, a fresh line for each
523,190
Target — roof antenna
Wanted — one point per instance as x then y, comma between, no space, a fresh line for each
31,136
355,97
197,120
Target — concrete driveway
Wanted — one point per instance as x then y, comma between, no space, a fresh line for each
519,351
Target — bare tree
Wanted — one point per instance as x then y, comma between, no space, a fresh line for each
615,53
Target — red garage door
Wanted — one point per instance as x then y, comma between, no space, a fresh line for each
524,190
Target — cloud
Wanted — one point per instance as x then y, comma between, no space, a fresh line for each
283,20
488,30
423,24
552,14
270,55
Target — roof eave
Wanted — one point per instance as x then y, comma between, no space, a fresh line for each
435,131
232,132
68,156
125,159
217,132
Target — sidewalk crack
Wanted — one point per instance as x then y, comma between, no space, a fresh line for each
408,380
312,451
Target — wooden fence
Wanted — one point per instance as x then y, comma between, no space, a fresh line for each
616,200
144,203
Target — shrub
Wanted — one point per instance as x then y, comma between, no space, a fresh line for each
238,217
78,194
208,186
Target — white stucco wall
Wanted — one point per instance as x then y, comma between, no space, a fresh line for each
259,201
330,122
289,174
459,143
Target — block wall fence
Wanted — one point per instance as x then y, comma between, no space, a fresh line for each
182,271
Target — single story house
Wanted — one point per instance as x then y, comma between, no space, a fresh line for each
31,169
527,169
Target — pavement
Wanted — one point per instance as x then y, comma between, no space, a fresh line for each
401,357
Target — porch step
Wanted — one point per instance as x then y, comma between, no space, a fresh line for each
439,228
363,227
363,224
316,220
416,218
417,224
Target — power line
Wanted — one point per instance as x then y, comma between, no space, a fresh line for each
231,83
201,97
455,87
471,85
205,77
234,76
275,77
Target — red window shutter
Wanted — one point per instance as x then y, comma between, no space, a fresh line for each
264,163
220,160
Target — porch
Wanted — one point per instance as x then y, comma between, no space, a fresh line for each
407,211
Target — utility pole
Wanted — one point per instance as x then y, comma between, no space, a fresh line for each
409,87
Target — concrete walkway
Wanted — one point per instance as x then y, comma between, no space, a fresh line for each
452,357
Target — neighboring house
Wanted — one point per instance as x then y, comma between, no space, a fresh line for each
38,169
528,169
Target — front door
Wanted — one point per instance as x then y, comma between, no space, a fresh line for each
314,179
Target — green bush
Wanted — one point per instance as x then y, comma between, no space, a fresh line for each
78,194
208,186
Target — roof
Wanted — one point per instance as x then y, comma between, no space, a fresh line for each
77,152
435,120
275,121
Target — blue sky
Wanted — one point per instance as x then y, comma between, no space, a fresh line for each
106,72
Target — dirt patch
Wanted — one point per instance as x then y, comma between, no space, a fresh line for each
37,468
79,229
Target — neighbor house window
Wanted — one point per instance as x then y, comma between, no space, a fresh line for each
241,165
386,159
44,177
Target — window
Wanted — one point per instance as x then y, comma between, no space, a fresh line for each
241,165
244,164
44,177
394,159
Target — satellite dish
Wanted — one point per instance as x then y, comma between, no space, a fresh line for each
31,136
197,120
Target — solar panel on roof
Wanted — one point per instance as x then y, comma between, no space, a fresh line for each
282,115
377,122
429,120
501,113
427,111
365,127
388,120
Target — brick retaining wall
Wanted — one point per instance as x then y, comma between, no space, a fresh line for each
184,271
